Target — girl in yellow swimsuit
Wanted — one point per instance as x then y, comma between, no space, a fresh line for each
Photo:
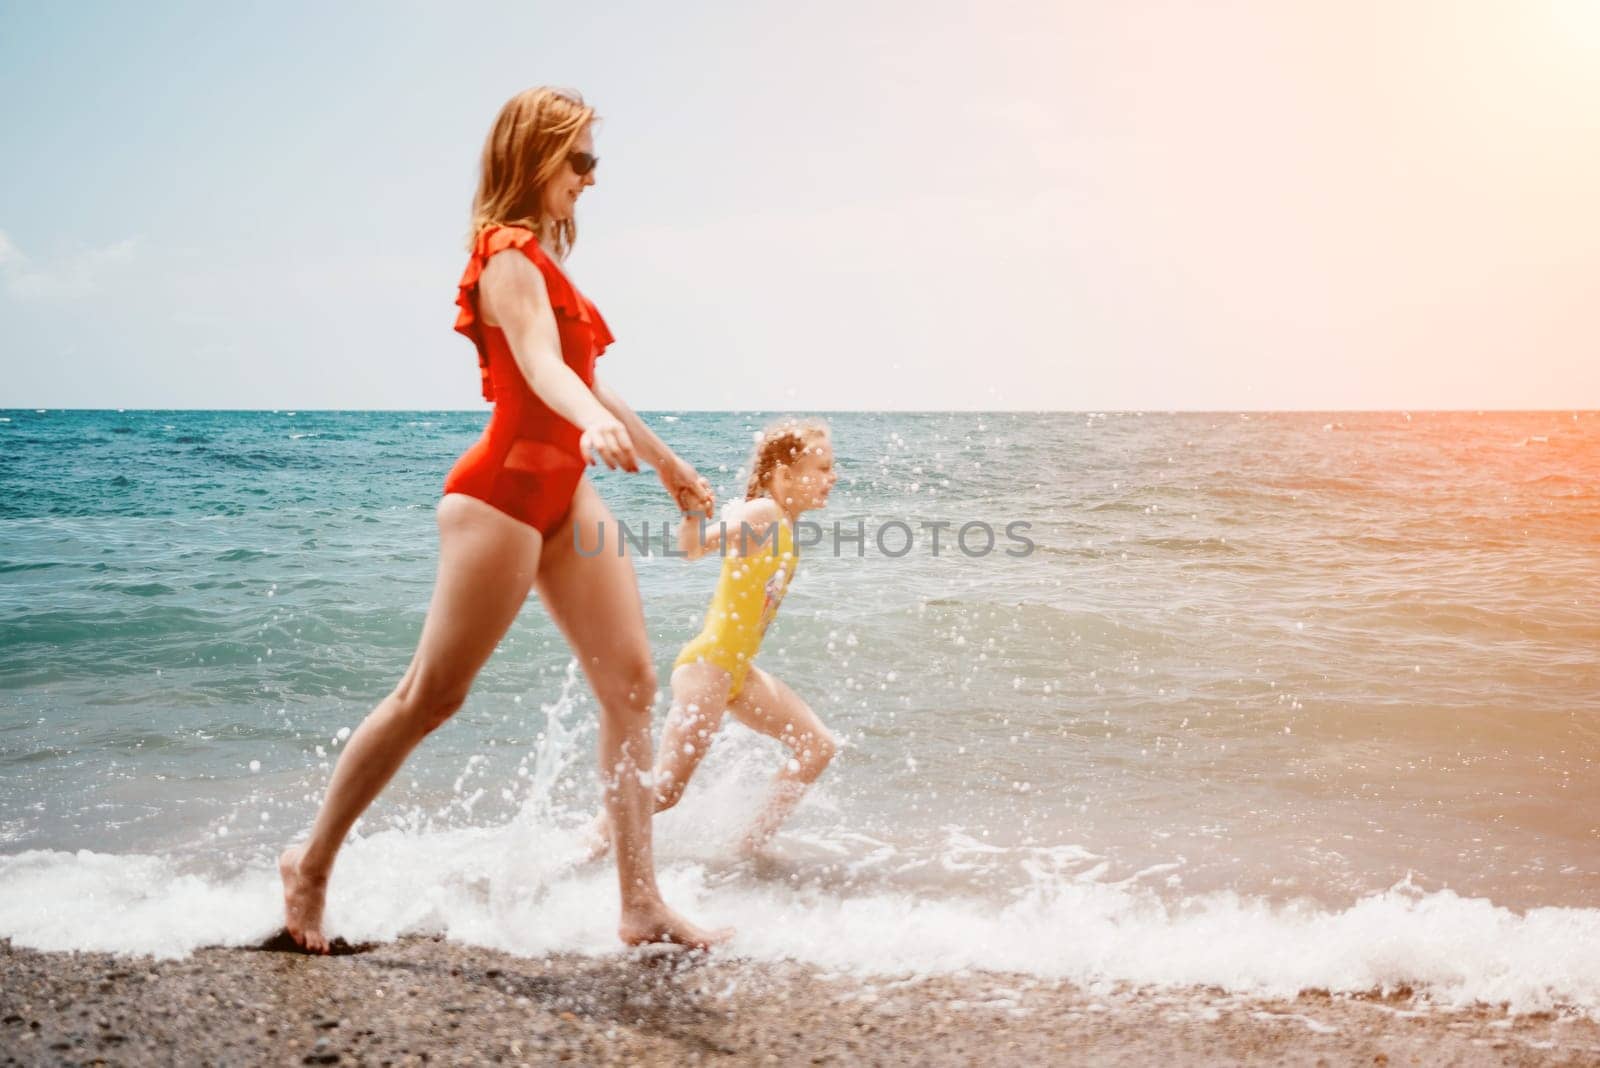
790,473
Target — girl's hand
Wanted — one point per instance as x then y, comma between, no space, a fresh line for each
606,441
689,491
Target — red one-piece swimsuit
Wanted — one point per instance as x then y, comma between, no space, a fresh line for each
527,463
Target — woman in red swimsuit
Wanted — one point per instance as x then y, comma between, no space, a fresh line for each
511,507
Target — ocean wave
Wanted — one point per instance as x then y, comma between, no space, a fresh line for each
239,556
1191,546
9,567
66,628
134,589
518,889
258,459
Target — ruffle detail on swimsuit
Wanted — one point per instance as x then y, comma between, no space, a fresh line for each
565,300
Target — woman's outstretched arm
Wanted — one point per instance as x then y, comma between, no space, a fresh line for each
689,491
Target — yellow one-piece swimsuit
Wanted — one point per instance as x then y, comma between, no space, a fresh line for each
747,597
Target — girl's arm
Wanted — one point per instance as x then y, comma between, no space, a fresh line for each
689,491
513,296
744,527
695,541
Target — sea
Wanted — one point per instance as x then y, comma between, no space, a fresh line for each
1256,701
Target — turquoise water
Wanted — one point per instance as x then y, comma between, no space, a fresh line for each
1297,660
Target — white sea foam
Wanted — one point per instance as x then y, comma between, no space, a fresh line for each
519,888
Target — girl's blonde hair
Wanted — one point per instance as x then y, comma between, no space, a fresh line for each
527,146
781,444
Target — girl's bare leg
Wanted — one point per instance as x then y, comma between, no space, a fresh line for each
765,704
487,564
699,698
595,602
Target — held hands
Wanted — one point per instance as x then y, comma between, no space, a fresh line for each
607,441
688,490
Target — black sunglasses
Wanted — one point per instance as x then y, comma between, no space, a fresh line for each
582,162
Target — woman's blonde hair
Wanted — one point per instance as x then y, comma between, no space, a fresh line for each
527,146
781,444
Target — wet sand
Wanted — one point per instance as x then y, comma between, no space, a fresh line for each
427,1001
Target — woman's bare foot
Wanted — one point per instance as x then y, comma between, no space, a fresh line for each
657,923
303,899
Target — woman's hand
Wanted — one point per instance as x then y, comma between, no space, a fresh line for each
688,490
606,441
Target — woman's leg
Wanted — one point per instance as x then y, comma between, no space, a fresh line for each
699,699
765,704
595,602
487,564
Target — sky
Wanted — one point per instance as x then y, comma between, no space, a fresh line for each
1327,204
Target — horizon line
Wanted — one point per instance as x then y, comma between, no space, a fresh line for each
286,410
